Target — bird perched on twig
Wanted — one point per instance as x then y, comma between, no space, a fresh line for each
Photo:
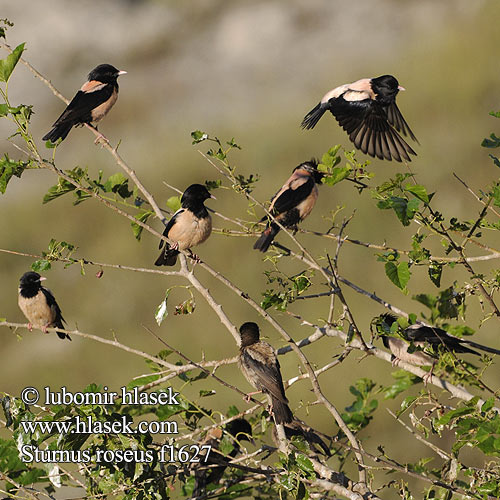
39,305
367,111
191,225
213,469
258,362
425,337
293,202
90,104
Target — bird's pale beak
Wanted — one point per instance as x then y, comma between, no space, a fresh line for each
122,72
42,278
401,88
213,197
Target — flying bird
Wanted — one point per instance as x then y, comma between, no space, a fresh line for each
90,104
293,202
367,111
259,364
39,305
217,463
188,227
423,337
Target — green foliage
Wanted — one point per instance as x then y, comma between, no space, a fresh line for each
359,414
10,168
8,64
448,304
288,289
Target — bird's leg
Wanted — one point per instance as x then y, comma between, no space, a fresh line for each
426,378
30,326
100,138
395,360
44,328
247,397
194,257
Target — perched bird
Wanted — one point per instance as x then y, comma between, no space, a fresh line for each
39,305
188,227
293,202
423,337
258,362
90,104
367,111
213,469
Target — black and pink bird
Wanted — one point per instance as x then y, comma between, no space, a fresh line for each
367,111
191,225
90,104
39,305
293,202
429,340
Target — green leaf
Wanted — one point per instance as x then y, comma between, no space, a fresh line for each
399,274
198,136
496,114
404,380
136,228
8,64
304,463
40,265
329,159
118,183
338,174
459,412
496,161
4,110
161,310
174,203
419,191
9,168
62,187
435,271
492,142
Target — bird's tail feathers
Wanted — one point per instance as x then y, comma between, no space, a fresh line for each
313,116
168,257
266,238
61,335
58,132
299,428
281,411
480,346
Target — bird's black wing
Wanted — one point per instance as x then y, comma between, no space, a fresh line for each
367,125
436,337
395,118
267,376
170,224
51,302
290,198
80,107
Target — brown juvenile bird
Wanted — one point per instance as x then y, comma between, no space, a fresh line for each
213,469
188,227
90,104
367,111
258,362
293,202
39,305
430,338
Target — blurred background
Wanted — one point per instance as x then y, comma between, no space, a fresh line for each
248,70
